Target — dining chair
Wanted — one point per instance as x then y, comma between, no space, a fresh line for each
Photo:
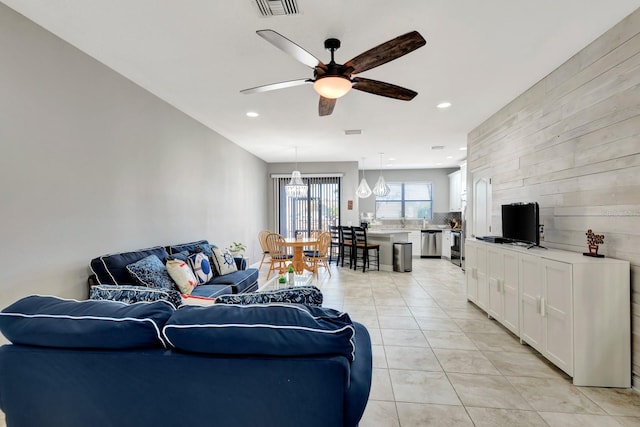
262,238
278,253
318,257
362,249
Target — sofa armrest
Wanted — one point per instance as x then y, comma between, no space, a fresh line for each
360,377
241,263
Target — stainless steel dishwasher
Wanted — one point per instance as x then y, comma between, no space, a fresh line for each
431,244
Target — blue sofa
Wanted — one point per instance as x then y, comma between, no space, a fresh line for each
106,363
109,273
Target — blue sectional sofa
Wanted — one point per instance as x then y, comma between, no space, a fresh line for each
110,278
106,363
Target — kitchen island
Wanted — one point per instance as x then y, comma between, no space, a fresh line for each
386,238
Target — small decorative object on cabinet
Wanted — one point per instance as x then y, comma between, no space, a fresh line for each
593,240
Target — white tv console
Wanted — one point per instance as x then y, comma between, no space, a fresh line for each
574,309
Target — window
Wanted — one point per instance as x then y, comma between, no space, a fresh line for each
319,210
406,200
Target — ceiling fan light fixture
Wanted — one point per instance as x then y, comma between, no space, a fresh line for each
332,87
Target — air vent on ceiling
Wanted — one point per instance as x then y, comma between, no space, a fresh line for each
437,147
277,7
353,132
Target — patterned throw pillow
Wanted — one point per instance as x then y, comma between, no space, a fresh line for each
199,301
182,274
223,261
199,263
308,295
133,294
151,272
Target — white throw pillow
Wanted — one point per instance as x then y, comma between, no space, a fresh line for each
223,261
182,274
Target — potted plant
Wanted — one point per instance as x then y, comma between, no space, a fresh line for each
237,249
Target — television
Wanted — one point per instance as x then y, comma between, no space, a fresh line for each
521,223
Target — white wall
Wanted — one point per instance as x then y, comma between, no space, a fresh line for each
90,164
572,143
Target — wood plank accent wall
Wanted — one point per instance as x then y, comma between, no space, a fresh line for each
572,143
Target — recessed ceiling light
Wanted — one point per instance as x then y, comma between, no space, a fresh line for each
449,157
463,148
438,164
252,114
444,105
391,159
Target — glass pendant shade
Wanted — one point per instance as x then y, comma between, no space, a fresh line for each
363,190
296,187
381,188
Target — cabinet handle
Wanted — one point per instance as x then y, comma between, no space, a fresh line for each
543,308
501,285
538,304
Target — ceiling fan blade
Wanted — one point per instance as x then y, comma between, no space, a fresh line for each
286,45
386,52
325,107
275,86
383,89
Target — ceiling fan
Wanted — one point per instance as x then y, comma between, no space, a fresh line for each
333,80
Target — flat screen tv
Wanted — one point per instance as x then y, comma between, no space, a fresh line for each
521,222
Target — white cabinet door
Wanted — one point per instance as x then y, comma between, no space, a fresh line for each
510,281
481,275
446,244
455,186
558,314
471,270
531,294
414,238
495,273
502,277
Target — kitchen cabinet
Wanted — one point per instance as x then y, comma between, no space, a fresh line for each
446,244
455,188
573,309
414,238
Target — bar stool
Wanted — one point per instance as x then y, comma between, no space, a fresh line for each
362,249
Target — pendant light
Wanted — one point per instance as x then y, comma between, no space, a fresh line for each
381,188
363,191
296,187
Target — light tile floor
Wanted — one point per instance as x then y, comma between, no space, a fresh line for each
439,360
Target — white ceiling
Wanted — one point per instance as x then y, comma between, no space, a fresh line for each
198,54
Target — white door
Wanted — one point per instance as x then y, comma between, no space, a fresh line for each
531,298
481,216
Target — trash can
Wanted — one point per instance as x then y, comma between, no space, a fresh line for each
402,256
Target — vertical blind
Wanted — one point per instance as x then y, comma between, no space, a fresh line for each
317,211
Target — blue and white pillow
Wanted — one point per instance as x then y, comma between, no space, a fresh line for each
151,272
307,295
134,294
199,263
223,261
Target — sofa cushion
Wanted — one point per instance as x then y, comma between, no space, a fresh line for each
55,322
112,269
223,261
241,280
133,294
308,295
212,290
151,272
191,247
261,329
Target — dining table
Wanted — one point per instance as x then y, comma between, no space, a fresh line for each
298,245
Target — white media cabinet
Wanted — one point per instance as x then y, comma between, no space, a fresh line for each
574,309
